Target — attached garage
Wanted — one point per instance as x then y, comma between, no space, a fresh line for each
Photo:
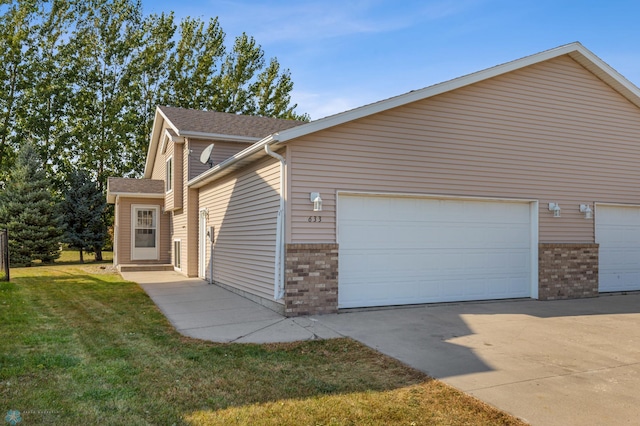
618,233
397,250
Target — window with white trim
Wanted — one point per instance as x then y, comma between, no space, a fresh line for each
169,174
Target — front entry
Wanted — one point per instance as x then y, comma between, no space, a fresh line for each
144,232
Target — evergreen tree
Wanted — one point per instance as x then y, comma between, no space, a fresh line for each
82,210
28,211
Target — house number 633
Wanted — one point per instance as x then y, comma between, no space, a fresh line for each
314,219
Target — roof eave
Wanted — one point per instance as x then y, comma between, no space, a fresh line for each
111,196
217,136
158,120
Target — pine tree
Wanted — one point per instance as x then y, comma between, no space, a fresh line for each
82,210
28,211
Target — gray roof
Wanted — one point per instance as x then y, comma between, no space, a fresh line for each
149,188
222,123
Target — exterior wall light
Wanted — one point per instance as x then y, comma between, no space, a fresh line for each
588,213
314,197
555,208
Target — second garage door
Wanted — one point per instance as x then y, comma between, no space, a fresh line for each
618,233
409,250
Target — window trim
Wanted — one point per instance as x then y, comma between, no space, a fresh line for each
169,174
145,253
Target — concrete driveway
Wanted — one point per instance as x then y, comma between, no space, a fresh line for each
574,362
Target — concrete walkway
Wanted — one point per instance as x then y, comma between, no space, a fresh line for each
574,362
208,312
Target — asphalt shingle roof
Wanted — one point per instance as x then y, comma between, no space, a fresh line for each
222,123
135,186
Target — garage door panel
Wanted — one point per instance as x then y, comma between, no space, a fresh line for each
437,236
618,234
409,250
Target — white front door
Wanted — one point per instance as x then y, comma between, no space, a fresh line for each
144,232
618,233
202,244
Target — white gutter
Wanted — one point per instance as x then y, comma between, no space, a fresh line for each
278,281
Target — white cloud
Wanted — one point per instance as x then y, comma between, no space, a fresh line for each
323,105
309,21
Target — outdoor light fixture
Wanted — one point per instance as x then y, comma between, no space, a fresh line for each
555,208
314,197
588,213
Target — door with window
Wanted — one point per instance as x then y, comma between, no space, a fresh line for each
144,230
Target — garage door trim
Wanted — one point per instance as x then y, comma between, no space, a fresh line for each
597,240
533,217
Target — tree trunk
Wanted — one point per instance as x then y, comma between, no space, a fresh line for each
81,255
98,251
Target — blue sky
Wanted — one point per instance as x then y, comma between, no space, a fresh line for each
345,54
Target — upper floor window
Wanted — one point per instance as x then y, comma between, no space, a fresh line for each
169,176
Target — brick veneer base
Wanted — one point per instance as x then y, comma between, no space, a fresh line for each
567,271
311,279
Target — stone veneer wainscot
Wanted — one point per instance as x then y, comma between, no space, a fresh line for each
567,271
311,279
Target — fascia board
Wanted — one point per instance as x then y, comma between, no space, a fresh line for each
218,136
111,196
153,143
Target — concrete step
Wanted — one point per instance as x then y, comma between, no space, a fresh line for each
145,267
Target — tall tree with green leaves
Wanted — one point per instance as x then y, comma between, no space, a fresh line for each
106,37
82,79
42,116
149,82
28,210
16,33
82,210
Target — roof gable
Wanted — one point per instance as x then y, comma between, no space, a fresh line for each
211,125
576,51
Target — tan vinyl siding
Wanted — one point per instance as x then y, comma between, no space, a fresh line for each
124,234
185,221
158,171
170,197
178,177
243,210
552,132
221,152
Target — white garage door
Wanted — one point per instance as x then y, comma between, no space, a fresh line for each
618,233
403,250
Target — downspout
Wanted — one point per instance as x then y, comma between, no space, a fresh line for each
278,282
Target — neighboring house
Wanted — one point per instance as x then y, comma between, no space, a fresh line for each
442,194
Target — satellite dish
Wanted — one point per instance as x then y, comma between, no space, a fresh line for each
205,157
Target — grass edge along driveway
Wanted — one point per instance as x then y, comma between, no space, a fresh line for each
83,346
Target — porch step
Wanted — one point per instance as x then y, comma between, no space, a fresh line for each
145,267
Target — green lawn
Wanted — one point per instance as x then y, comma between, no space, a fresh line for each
82,346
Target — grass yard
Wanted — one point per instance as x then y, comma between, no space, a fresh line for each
82,346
